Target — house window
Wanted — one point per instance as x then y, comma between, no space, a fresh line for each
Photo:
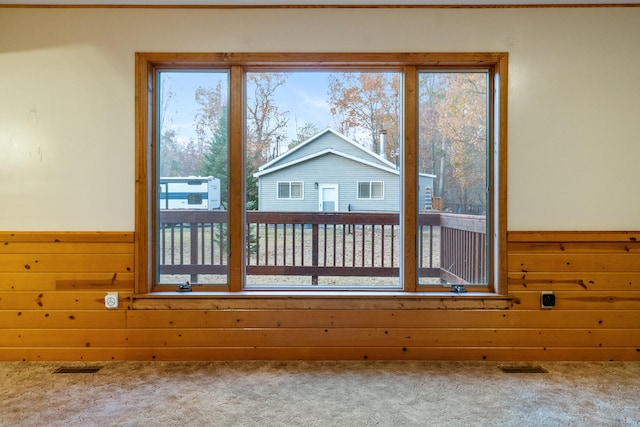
290,190
423,135
371,190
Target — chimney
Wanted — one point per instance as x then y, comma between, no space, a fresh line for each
383,141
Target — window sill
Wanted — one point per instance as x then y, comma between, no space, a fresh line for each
319,300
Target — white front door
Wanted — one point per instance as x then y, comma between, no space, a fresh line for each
328,198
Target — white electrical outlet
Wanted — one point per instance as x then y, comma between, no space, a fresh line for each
111,300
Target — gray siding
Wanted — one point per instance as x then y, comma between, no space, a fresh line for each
329,169
332,169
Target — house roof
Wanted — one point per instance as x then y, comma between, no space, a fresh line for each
322,153
366,153
280,162
375,161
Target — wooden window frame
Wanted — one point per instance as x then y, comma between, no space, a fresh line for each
146,66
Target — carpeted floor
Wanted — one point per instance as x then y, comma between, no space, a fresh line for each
319,394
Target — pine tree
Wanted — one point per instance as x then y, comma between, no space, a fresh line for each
216,160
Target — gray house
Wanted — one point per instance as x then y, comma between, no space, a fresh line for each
329,172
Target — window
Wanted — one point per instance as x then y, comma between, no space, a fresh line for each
290,190
371,190
453,142
408,197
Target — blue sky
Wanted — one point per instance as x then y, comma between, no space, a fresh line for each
304,96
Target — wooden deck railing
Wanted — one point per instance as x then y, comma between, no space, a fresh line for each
451,247
463,248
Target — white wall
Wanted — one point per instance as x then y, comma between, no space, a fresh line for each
67,100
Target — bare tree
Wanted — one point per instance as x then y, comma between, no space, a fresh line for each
266,124
463,122
303,133
453,135
210,109
367,102
171,152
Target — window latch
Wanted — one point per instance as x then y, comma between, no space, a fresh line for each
184,287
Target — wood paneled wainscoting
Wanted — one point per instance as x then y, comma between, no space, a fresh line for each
53,284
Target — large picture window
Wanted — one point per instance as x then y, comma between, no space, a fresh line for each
321,172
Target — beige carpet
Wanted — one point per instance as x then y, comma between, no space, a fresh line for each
319,394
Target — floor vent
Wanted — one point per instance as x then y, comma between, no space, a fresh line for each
71,370
523,370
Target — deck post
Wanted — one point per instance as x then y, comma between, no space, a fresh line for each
314,251
193,255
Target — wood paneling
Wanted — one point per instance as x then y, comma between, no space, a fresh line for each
318,353
321,337
65,281
55,309
78,300
64,319
61,263
184,319
583,281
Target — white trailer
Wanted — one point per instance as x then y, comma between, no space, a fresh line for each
193,192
